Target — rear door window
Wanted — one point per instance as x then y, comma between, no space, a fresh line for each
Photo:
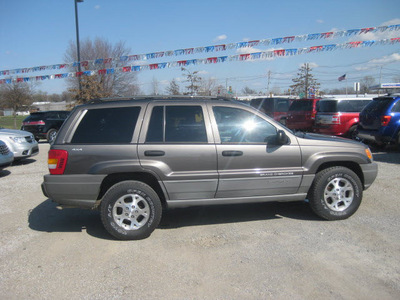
177,124
107,126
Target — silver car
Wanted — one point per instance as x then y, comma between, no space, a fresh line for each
6,156
21,143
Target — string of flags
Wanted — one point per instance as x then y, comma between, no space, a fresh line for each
207,49
210,60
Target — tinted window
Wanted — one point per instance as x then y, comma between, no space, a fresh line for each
107,126
396,107
34,117
281,105
377,106
240,126
342,105
301,105
183,124
327,106
155,133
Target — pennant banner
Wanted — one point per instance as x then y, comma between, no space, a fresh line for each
211,60
206,49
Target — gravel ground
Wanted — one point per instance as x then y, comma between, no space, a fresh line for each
258,251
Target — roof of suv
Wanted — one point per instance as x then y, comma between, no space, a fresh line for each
155,98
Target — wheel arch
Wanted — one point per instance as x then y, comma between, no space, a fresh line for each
355,167
144,177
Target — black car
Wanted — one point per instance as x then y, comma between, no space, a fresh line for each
45,124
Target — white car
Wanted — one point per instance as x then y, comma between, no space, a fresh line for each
21,143
6,156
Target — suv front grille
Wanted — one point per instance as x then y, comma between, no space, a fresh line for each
4,150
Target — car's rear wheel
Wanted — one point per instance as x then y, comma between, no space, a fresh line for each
336,193
51,135
130,210
352,134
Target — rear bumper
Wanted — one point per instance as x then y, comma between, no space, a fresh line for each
73,190
373,136
329,130
370,171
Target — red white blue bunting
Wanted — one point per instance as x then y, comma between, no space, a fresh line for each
263,55
207,49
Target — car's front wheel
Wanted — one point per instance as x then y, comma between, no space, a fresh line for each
130,210
336,193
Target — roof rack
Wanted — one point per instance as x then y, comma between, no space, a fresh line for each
161,97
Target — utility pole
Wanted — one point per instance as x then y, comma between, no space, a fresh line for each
77,42
269,80
306,81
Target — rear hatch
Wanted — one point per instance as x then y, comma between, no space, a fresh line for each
371,116
301,110
35,119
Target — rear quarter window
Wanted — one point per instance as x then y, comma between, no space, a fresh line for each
107,126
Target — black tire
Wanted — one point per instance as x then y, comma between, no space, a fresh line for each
336,193
398,141
130,210
51,135
352,134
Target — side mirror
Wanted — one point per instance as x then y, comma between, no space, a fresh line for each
282,138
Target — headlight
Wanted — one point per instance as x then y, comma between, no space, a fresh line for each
19,140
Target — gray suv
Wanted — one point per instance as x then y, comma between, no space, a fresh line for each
132,158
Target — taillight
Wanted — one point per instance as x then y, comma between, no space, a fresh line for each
336,119
385,120
34,123
57,161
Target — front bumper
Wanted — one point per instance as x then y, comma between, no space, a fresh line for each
25,150
370,172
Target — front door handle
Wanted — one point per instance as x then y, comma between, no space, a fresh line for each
232,153
154,153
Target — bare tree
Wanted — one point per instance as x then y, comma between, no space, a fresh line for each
16,95
304,81
155,86
92,88
173,88
248,91
208,87
366,83
113,83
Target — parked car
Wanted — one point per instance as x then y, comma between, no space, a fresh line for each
6,156
45,124
188,151
380,121
339,116
301,114
276,108
21,143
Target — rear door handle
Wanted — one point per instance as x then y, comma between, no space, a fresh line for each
154,153
232,153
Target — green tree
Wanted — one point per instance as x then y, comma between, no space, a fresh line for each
194,81
304,81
